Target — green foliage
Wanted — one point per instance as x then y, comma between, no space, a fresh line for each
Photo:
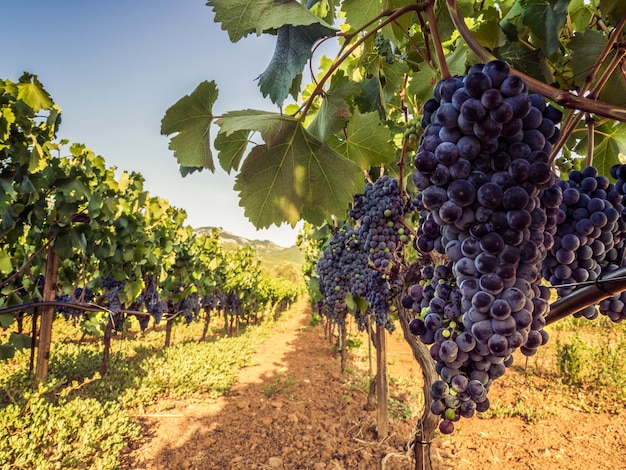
242,17
520,409
190,118
40,431
569,360
292,175
277,385
293,50
593,364
78,419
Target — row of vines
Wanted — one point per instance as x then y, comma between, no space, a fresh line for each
77,240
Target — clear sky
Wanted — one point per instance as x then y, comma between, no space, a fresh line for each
115,66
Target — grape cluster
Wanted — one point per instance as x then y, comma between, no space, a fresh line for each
80,295
150,297
590,233
342,270
384,48
190,306
380,211
487,203
362,261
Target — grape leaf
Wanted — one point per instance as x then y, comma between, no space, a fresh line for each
394,75
422,83
360,12
613,9
20,341
242,17
610,141
7,351
371,98
231,149
6,266
32,92
6,320
293,49
488,32
585,46
368,143
545,20
191,117
335,110
293,175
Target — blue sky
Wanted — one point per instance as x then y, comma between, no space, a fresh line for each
115,66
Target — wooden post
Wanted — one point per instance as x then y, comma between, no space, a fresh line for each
106,342
168,331
344,344
381,381
47,315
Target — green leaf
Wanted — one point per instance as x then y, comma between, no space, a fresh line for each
610,141
243,17
368,143
7,319
585,46
188,170
37,160
32,92
78,240
293,50
612,9
63,246
545,19
360,12
531,62
231,149
489,33
394,76
292,174
371,98
458,59
7,351
580,14
422,84
335,110
6,266
191,118
20,341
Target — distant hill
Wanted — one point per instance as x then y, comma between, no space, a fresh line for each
284,262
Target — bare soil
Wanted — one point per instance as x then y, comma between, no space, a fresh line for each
293,409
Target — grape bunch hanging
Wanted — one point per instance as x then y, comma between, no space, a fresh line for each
488,203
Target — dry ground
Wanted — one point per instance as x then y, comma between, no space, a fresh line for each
293,409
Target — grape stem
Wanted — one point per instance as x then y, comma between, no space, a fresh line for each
432,25
391,14
561,97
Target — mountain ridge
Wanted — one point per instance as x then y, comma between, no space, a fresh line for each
266,249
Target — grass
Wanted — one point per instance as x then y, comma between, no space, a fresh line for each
78,419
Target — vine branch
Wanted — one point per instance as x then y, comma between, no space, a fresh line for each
561,97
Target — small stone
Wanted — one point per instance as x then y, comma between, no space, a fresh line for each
293,418
275,462
319,466
277,404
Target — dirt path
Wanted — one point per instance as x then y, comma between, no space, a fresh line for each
293,409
